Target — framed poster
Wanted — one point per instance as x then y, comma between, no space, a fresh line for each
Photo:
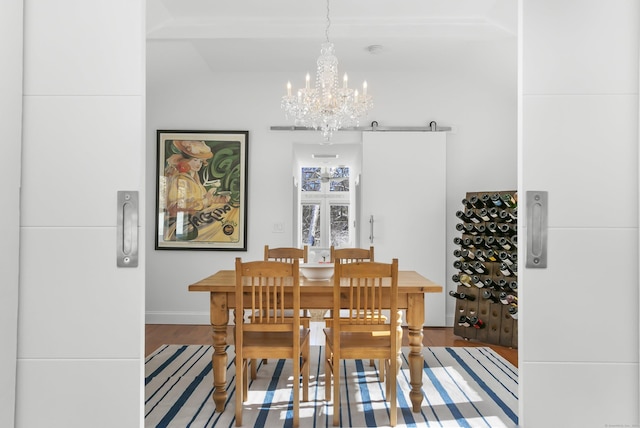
201,196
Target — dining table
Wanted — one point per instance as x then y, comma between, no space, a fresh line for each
315,294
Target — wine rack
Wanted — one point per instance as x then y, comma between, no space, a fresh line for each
486,260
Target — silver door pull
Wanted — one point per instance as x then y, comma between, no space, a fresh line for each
127,242
371,229
537,225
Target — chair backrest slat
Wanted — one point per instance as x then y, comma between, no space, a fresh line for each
364,284
264,286
287,254
352,255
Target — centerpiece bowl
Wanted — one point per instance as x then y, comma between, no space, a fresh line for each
318,271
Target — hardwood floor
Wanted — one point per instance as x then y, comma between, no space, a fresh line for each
160,334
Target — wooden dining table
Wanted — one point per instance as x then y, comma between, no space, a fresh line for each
315,294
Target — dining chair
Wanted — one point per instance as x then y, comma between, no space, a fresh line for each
361,287
268,288
351,255
288,255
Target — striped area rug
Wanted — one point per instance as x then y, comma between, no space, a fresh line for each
463,387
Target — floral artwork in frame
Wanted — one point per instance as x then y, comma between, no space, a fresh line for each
201,199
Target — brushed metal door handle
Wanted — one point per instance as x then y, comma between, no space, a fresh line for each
127,242
537,228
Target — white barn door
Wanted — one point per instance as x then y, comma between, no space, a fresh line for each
80,325
578,317
403,186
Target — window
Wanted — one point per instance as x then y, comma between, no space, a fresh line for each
326,215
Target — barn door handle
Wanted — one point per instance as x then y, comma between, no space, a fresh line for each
537,225
127,242
371,229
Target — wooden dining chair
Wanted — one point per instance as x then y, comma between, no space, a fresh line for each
287,254
268,288
364,286
350,255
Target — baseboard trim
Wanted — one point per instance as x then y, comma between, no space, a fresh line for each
157,317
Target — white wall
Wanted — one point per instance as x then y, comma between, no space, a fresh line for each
473,89
578,318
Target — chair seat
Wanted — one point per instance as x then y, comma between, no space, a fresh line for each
375,344
259,344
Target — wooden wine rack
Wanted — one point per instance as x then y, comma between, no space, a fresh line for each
499,326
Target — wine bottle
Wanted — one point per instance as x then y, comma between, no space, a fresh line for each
486,199
505,269
487,294
489,241
464,253
504,242
464,321
509,257
460,214
513,285
492,227
466,203
493,212
507,228
473,216
460,227
510,200
514,240
507,299
514,213
475,202
470,229
467,242
463,242
476,322
483,214
501,283
465,280
513,311
490,283
479,267
504,216
479,253
491,255
466,268
479,228
462,296
496,200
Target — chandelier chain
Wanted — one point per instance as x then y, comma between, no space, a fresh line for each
326,31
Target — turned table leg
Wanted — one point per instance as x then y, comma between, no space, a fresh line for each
415,322
219,322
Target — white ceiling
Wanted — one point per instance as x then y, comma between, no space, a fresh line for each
285,35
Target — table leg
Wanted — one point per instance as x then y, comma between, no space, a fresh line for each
415,322
219,322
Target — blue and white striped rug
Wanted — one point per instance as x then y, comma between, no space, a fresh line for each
463,387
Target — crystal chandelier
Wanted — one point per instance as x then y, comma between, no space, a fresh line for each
329,106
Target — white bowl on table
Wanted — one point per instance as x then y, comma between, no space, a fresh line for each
317,271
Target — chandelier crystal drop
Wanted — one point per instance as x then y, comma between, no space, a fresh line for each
329,105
